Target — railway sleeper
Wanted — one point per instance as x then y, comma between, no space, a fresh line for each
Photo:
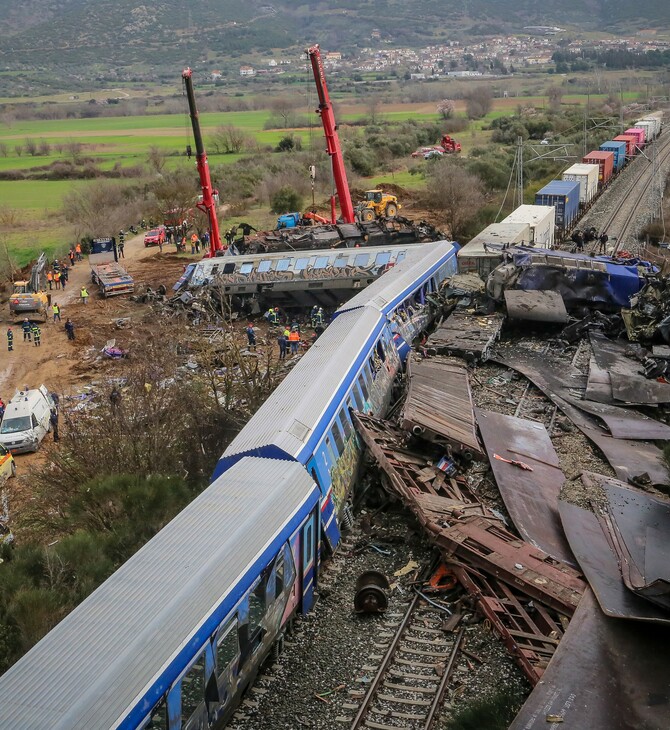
404,700
414,664
430,642
410,675
412,688
381,726
421,652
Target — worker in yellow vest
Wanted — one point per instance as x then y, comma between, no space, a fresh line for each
84,294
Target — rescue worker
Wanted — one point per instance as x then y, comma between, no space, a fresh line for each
53,418
57,278
71,254
69,328
77,251
55,309
10,340
283,345
312,315
50,279
294,341
84,294
64,276
120,248
194,238
602,242
295,325
27,328
122,237
274,316
251,336
37,335
319,318
578,240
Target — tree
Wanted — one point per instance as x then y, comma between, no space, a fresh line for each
173,197
478,102
228,139
555,94
44,148
446,108
456,193
101,208
286,200
284,109
156,159
30,147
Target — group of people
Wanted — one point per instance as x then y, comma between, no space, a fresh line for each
588,235
32,332
57,276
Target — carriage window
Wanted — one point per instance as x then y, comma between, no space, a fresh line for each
331,452
158,719
264,266
257,604
400,256
283,264
246,267
382,259
321,262
215,268
227,268
227,646
279,575
346,424
362,259
364,387
192,689
357,399
341,262
301,264
337,435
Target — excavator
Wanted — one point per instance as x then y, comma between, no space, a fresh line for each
30,298
377,203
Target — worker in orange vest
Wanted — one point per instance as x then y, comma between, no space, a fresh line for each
77,251
57,279
50,279
294,340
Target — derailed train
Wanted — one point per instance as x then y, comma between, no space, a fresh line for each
175,636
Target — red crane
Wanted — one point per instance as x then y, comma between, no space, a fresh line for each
208,204
325,111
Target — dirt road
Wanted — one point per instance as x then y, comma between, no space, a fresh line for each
58,362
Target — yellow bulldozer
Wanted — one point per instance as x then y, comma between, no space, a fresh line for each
29,298
377,204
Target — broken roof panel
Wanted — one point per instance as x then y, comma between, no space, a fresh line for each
599,562
628,385
439,403
469,334
606,673
536,306
531,497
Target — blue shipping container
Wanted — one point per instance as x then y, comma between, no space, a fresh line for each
619,149
564,196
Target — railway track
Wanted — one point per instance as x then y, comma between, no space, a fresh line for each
414,673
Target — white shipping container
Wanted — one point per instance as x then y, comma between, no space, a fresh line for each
656,119
649,127
540,218
484,252
587,177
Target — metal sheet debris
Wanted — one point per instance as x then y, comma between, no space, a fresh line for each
628,383
439,404
598,560
531,498
628,458
606,673
639,527
476,537
599,385
536,306
465,333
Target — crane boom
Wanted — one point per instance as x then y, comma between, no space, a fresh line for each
334,149
208,204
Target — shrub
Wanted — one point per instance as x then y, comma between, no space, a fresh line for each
286,200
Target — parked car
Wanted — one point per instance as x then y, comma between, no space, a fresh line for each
155,236
27,420
7,465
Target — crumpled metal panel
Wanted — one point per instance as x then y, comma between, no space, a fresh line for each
598,560
463,332
535,306
628,385
628,458
606,673
531,497
439,403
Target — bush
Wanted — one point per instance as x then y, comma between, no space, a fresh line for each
286,200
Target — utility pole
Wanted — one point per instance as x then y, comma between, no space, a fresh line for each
519,169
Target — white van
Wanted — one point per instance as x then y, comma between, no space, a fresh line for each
26,421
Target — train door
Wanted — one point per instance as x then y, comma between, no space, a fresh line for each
309,560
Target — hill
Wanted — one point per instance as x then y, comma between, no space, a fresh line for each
68,39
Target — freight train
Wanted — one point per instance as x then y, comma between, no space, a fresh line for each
174,637
576,191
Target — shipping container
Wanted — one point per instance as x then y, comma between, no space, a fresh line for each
649,128
637,132
540,218
564,196
619,151
484,252
657,119
630,141
587,176
606,162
